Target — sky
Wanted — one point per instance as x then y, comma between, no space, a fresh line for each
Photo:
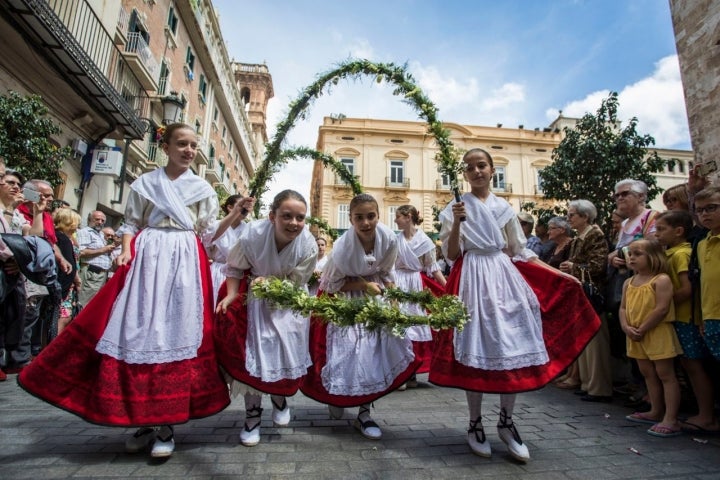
514,62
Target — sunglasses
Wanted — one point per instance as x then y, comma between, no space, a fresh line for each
623,194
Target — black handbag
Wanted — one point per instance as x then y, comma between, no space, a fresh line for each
594,295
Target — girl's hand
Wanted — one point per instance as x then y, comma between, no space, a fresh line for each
373,288
248,203
225,303
122,259
458,210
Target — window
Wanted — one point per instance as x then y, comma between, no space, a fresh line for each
163,80
197,126
391,217
445,181
350,165
202,88
224,132
539,184
397,172
183,99
343,220
499,179
190,61
172,21
215,114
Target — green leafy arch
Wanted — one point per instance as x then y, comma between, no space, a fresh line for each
405,86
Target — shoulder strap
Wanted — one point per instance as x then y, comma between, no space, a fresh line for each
694,276
648,220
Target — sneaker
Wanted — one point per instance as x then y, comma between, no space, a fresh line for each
336,413
140,440
251,436
281,413
479,444
510,436
164,444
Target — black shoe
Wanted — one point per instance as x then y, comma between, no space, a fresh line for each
596,398
580,392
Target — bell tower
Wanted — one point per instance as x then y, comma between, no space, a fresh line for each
256,88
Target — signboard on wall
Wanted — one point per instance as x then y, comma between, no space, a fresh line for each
106,162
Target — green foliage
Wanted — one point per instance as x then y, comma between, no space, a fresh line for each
222,195
541,213
323,226
405,86
595,155
328,161
25,132
373,312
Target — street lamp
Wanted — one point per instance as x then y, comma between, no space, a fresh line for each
172,108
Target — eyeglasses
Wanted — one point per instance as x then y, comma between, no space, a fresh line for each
711,208
623,194
11,183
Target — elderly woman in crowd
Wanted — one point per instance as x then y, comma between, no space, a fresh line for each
560,232
588,261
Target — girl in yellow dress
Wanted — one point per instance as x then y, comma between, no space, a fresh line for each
646,316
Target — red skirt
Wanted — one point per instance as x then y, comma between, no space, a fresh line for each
312,385
568,322
424,350
72,375
230,337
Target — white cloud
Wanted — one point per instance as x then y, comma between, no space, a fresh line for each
446,92
657,101
507,95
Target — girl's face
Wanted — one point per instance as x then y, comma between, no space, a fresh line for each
321,247
478,171
666,235
403,221
289,221
364,217
637,259
181,148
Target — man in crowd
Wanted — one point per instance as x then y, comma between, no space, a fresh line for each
95,261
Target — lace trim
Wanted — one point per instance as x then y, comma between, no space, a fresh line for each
130,356
351,390
508,363
279,374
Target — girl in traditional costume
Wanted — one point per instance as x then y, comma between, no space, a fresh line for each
505,348
352,366
141,353
262,346
416,268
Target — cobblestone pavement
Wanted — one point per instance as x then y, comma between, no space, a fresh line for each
423,438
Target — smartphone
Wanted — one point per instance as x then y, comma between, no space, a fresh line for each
31,195
705,169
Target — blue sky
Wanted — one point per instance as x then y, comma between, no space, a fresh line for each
481,62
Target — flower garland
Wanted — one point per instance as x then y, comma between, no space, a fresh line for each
373,313
447,157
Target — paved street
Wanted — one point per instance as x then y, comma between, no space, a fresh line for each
424,438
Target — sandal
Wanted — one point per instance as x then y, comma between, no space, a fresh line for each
660,430
251,436
641,417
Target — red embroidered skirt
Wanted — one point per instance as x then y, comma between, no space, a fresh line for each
230,337
72,375
568,322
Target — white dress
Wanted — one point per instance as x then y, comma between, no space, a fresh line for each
218,251
415,256
359,362
154,320
505,329
277,340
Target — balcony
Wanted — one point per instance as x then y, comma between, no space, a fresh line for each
155,155
141,61
502,188
391,184
73,40
340,183
212,171
201,157
442,185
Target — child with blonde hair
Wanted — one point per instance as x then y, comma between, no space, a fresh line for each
646,315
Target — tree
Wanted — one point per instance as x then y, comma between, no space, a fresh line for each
25,132
597,154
